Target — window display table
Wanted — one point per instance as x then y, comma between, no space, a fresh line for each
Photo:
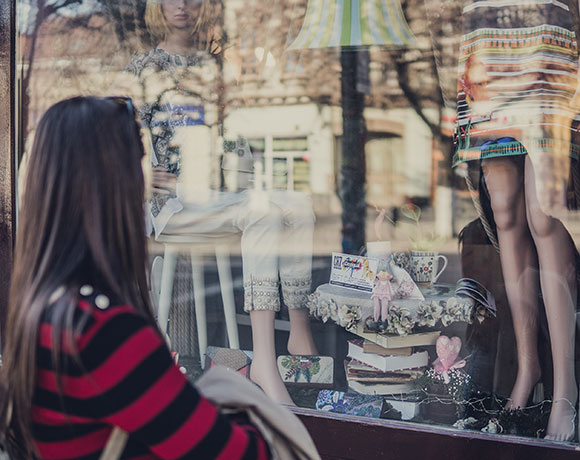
348,307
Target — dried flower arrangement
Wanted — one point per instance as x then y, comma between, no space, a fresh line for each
400,320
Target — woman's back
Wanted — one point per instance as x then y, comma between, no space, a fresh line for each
124,376
81,360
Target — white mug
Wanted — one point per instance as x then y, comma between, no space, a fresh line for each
424,266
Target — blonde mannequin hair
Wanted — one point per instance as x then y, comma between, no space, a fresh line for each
157,26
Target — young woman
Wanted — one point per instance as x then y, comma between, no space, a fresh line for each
178,80
82,353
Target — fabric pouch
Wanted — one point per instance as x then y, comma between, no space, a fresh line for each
350,403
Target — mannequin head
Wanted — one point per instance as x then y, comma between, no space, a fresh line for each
164,17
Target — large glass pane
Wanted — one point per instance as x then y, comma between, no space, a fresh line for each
375,200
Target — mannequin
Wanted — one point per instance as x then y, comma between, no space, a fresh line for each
276,227
514,116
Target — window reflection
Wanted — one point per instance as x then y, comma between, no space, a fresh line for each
424,125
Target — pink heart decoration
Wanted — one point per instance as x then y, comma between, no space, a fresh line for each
448,350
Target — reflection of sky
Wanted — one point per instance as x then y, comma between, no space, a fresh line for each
26,11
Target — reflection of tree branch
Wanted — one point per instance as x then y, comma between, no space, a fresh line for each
412,96
402,68
439,91
115,14
43,11
444,141
38,20
53,8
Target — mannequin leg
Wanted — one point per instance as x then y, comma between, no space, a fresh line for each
558,280
504,179
264,370
261,226
300,341
261,229
296,266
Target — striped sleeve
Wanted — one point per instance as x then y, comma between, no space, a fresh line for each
129,380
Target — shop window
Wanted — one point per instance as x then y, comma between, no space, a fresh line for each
419,176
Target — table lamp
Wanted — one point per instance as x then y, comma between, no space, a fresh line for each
348,23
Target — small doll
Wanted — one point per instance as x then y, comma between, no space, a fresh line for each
382,295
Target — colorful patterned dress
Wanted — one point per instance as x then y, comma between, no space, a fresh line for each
517,80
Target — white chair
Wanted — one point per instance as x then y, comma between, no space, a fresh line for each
197,247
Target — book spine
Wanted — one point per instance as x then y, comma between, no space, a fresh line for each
357,358
375,349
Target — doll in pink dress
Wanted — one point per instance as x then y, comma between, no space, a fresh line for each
382,295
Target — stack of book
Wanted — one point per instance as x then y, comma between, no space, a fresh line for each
378,370
420,339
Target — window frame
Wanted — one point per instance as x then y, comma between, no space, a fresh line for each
336,436
347,437
7,150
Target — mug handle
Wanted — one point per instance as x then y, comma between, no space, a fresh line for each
445,262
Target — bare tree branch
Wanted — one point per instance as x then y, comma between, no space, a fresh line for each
412,97
53,8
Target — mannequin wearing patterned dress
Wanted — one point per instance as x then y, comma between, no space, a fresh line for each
518,75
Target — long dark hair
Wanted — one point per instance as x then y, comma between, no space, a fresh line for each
81,221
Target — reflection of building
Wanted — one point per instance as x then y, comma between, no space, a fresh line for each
71,56
299,147
289,111
286,104
292,142
398,154
278,97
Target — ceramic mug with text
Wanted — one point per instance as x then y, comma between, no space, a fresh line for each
425,266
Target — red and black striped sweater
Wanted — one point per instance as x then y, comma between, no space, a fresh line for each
126,378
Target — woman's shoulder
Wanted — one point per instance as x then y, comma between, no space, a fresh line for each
93,309
104,335
100,326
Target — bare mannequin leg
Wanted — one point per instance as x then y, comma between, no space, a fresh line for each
558,279
261,229
296,266
504,179
264,370
300,341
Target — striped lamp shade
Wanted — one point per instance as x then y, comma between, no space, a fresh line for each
334,23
